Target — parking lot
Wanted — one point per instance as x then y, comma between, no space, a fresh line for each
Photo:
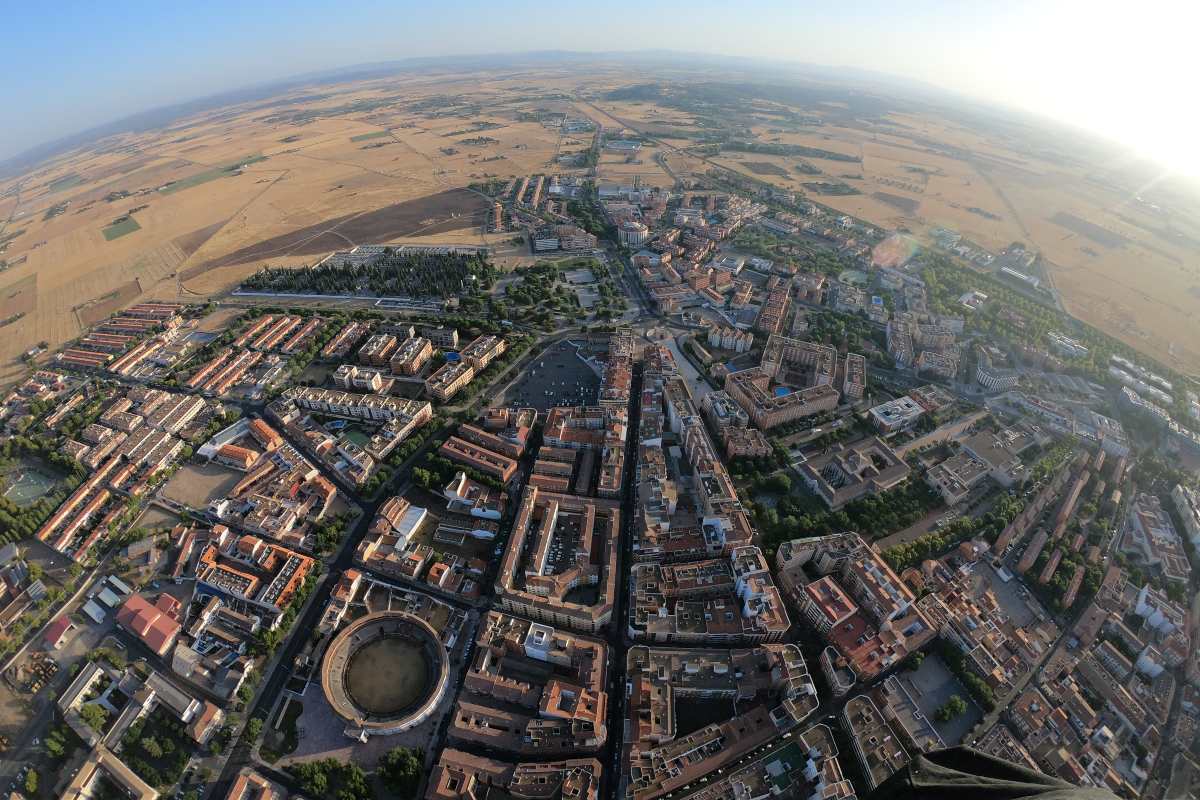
558,378
1011,596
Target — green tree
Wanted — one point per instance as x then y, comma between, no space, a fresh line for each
94,716
401,769
952,708
254,728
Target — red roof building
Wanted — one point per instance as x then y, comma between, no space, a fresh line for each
154,624
56,632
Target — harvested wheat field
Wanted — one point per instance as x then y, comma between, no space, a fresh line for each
186,211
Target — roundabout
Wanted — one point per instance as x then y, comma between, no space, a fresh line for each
385,673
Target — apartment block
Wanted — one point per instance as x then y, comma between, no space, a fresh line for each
559,543
449,379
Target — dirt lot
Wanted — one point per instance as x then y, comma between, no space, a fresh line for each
219,320
195,485
155,518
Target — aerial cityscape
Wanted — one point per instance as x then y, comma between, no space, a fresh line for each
582,428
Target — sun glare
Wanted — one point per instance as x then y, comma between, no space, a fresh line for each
1118,74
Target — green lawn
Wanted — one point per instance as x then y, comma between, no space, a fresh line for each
362,137
357,435
127,225
211,174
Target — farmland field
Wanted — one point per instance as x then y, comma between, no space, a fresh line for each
906,204
209,175
19,297
210,214
106,306
64,183
765,168
119,229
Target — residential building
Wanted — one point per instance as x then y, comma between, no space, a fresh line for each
1187,504
850,471
480,352
360,379
441,337
377,350
1150,534
449,379
560,542
896,415
562,696
854,384
751,388
409,357
993,370
482,459
865,611
730,600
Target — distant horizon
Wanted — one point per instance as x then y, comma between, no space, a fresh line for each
352,72
1012,59
40,153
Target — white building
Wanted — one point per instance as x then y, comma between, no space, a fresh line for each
896,415
731,339
1066,346
633,234
1187,503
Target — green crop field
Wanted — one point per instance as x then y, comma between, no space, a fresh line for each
362,137
211,174
119,229
65,182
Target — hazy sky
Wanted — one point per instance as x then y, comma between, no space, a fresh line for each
1125,70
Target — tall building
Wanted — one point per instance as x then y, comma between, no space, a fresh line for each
633,234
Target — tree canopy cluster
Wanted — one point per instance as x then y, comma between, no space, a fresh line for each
956,660
331,778
872,517
17,522
408,274
954,707
401,769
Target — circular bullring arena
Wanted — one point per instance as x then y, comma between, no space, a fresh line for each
385,673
